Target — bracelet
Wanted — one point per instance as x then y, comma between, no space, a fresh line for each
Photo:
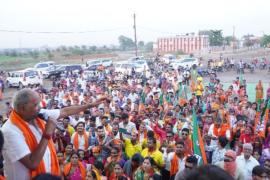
46,136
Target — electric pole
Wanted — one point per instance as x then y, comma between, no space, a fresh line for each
135,35
234,39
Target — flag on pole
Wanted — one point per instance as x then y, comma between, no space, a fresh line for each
266,117
198,144
161,99
179,94
257,117
241,78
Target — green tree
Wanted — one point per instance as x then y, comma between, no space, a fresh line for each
125,42
50,56
34,54
265,41
140,44
149,46
13,53
63,48
228,40
216,38
93,48
84,47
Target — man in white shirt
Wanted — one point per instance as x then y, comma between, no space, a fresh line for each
20,158
126,127
133,96
247,161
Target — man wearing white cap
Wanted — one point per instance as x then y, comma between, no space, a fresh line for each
247,161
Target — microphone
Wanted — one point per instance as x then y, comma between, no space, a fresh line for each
44,116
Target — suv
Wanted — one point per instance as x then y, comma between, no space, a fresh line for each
186,62
56,73
23,78
93,64
106,62
43,67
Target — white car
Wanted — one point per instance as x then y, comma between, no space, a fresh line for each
136,58
106,62
124,67
23,78
141,66
185,62
44,67
97,62
168,58
93,63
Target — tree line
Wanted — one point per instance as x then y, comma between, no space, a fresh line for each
216,38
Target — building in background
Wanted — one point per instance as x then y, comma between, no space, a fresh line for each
188,43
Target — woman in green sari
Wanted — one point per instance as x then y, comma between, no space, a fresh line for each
147,171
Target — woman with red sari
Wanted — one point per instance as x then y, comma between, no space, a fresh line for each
247,136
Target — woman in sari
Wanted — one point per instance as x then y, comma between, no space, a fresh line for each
147,171
68,152
259,91
115,157
75,170
118,173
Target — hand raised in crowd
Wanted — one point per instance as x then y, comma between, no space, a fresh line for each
104,98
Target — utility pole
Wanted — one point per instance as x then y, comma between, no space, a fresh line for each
135,35
234,39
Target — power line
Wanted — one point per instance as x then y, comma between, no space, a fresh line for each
157,31
62,32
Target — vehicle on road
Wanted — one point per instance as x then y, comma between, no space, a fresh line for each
23,78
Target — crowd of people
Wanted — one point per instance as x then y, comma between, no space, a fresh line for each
112,126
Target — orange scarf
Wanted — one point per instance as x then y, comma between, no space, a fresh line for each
32,143
76,141
222,131
67,169
174,165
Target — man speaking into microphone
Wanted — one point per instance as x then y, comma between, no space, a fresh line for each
28,147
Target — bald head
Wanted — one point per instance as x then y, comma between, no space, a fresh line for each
22,98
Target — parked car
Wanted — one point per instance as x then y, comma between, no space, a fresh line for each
141,66
46,73
124,67
43,67
23,78
74,68
95,63
185,62
168,58
106,62
136,58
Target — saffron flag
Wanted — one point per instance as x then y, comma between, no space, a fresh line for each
198,145
266,117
